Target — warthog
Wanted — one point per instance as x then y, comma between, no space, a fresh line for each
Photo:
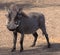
26,24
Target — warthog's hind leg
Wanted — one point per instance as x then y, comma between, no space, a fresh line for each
35,39
46,35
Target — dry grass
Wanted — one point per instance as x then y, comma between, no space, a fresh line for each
52,17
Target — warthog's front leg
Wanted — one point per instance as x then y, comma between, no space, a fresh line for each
14,41
21,42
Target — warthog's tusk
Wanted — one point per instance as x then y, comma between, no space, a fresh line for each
17,25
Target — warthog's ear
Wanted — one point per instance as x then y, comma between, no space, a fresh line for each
19,10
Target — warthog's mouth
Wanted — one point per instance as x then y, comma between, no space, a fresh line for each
11,29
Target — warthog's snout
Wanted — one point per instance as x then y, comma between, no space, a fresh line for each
12,27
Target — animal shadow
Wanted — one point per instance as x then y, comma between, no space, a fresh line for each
55,47
40,49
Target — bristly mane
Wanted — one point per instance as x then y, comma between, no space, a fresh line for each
22,13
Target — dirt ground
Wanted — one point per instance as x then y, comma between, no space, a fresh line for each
52,17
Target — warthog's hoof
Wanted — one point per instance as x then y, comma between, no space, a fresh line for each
33,45
21,50
49,45
14,49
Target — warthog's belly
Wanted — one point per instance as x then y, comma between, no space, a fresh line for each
31,29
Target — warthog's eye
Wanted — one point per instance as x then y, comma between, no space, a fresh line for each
19,15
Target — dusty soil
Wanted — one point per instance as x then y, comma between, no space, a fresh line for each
52,17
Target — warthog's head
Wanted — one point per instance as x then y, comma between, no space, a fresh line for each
13,21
